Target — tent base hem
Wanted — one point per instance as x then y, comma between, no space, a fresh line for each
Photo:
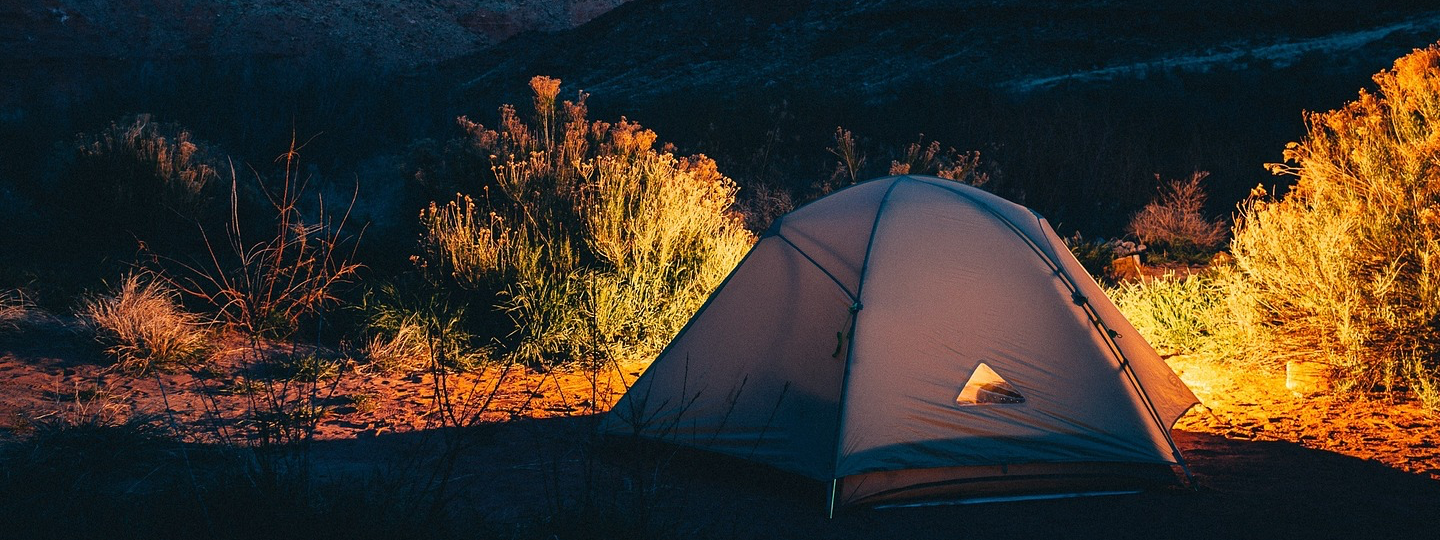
989,481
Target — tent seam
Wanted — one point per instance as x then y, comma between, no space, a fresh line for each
853,296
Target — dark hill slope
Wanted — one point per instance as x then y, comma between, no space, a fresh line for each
1078,104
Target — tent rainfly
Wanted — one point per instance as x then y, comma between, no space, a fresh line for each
913,336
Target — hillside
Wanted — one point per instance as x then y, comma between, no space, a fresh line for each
386,32
1078,105
654,48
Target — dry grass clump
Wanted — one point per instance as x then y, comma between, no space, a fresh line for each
1345,268
269,284
411,332
15,310
592,242
141,324
1174,223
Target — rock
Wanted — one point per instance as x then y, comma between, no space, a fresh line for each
1305,379
1126,268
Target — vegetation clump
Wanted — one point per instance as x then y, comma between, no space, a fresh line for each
139,178
592,242
1174,225
141,324
1178,314
1344,268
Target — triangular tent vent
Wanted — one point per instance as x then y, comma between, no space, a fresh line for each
986,387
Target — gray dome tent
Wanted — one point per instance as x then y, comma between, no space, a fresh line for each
910,335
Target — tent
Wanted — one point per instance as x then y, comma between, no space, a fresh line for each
909,336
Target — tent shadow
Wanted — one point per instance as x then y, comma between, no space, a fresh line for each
530,469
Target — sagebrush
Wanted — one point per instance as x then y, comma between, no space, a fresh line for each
1344,269
593,243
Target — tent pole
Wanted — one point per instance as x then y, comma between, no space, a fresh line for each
834,488
1134,378
850,346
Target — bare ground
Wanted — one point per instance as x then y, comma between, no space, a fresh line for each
1268,463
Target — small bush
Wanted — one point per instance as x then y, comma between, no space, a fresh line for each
139,178
919,158
1345,268
593,243
761,205
413,330
141,324
1174,224
850,159
269,283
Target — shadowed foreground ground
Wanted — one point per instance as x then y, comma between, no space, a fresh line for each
1248,489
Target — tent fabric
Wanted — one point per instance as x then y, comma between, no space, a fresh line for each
840,347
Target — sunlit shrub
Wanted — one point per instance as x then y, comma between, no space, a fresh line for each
141,324
1345,268
595,244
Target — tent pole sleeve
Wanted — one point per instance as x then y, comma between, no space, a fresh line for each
853,296
854,321
1139,388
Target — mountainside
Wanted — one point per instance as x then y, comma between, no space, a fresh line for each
1078,105
387,32
1075,106
659,47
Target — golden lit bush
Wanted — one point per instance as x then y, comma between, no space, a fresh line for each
595,244
141,324
1345,268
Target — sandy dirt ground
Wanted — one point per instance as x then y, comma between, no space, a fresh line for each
1268,463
